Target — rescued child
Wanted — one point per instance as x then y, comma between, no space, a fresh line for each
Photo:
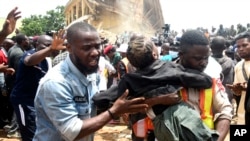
154,77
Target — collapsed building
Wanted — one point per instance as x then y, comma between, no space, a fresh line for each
117,17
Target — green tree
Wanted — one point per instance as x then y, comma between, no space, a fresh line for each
40,24
33,25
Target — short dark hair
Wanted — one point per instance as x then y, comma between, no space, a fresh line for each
139,51
242,35
76,27
191,38
218,43
20,37
165,46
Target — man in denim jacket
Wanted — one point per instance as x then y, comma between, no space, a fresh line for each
63,102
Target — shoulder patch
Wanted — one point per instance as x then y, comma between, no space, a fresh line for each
220,85
80,99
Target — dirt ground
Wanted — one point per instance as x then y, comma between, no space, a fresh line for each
107,133
110,132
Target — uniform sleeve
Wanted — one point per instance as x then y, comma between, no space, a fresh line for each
221,105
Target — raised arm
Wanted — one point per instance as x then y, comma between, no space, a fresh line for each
57,44
9,24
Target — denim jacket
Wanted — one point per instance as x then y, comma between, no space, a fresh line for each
62,101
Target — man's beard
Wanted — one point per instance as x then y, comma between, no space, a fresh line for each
86,69
90,70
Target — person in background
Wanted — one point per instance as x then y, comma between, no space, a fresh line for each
111,53
165,56
32,67
4,98
122,67
212,33
114,57
221,31
245,87
34,41
241,70
67,112
248,27
247,103
240,28
213,68
232,32
7,44
105,69
14,55
218,45
31,42
122,49
173,52
60,57
207,34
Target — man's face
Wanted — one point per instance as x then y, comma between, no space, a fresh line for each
196,57
243,48
85,51
111,54
26,43
46,42
7,44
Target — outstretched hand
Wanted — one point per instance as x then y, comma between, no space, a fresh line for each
124,105
5,68
58,40
237,88
10,23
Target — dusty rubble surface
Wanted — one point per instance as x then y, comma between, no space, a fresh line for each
110,132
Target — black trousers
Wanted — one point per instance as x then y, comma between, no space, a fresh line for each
25,114
247,118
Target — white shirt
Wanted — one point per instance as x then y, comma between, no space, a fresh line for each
213,68
104,65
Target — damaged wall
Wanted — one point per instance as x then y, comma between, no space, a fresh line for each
112,17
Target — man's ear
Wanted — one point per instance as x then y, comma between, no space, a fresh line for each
155,55
68,46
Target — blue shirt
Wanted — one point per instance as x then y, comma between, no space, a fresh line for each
166,57
63,100
174,54
27,79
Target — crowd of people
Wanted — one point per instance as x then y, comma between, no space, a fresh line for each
69,85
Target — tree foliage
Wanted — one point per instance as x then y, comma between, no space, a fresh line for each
40,24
